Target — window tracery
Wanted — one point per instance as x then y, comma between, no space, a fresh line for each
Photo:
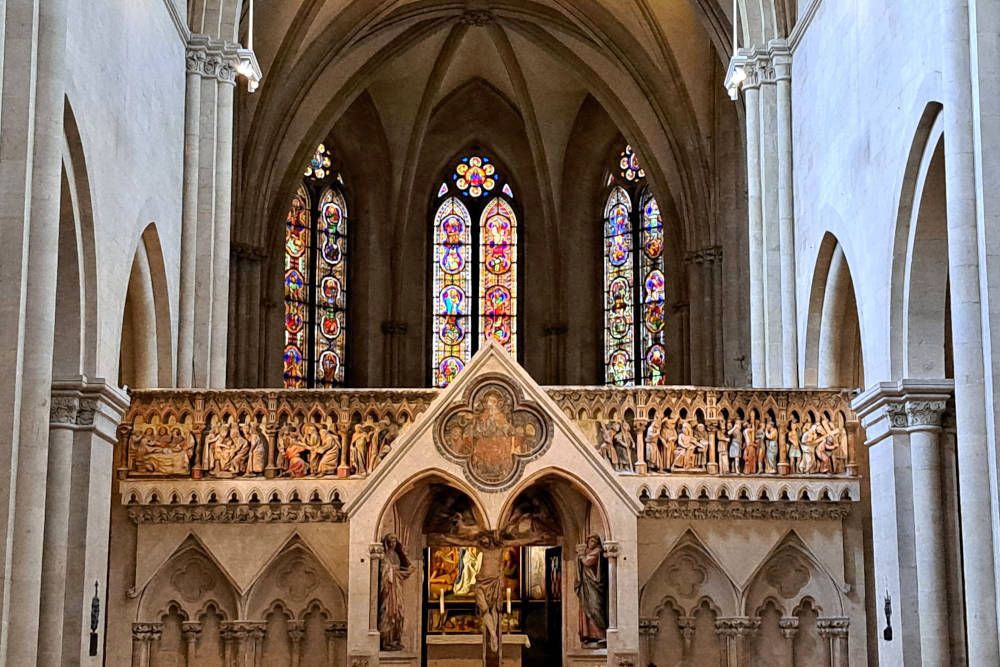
634,281
315,279
474,301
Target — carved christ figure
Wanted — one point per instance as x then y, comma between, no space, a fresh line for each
489,592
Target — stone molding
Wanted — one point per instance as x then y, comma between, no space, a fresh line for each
759,511
649,627
264,513
477,17
789,627
84,403
837,626
895,408
147,631
737,626
212,58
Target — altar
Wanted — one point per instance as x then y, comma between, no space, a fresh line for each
467,650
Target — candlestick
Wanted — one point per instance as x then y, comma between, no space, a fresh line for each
441,604
508,599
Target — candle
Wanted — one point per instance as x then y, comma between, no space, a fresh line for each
508,599
441,604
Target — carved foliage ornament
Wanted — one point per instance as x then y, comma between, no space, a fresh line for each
493,433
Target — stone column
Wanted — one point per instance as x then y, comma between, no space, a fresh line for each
335,632
648,629
976,479
189,220
394,333
296,633
191,632
375,554
907,514
924,422
718,315
687,626
203,330
640,444
751,99
697,334
789,629
144,638
31,111
611,553
733,633
82,434
781,56
834,630
344,428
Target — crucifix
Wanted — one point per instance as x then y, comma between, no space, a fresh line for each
489,600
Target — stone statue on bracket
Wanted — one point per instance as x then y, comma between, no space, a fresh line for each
592,593
396,568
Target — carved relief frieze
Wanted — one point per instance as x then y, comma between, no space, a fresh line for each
294,513
492,433
724,510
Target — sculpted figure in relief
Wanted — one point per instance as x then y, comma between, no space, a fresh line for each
793,437
606,445
326,457
624,446
750,447
770,447
592,592
808,442
828,447
163,451
734,431
396,568
654,454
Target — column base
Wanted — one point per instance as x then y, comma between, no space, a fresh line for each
343,472
271,472
783,468
852,469
641,468
713,468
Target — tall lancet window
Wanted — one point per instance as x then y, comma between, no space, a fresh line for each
474,286
316,278
634,287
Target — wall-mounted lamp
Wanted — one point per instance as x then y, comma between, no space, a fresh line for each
95,618
248,66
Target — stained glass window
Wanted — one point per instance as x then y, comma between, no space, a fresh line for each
316,278
452,284
619,332
634,282
474,294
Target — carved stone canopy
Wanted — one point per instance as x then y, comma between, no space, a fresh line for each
492,433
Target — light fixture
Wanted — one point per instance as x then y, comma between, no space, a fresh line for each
248,66
736,73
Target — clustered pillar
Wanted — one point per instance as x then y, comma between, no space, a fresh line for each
903,424
773,310
207,205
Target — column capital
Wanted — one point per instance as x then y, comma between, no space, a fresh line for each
147,631
737,626
649,627
296,631
85,403
893,408
376,551
190,631
789,627
336,629
611,550
221,60
836,626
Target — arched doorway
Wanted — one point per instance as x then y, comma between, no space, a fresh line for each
454,588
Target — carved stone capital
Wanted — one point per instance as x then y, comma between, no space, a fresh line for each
212,58
837,626
336,629
611,550
892,408
147,632
925,413
360,660
190,631
376,551
649,627
737,626
296,631
626,659
789,627
687,624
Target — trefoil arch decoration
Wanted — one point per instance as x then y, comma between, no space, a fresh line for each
474,265
315,277
492,433
634,283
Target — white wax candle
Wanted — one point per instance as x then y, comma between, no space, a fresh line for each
508,599
441,605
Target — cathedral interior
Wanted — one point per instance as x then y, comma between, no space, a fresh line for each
442,333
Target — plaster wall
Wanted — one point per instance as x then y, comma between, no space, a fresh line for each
862,75
125,86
